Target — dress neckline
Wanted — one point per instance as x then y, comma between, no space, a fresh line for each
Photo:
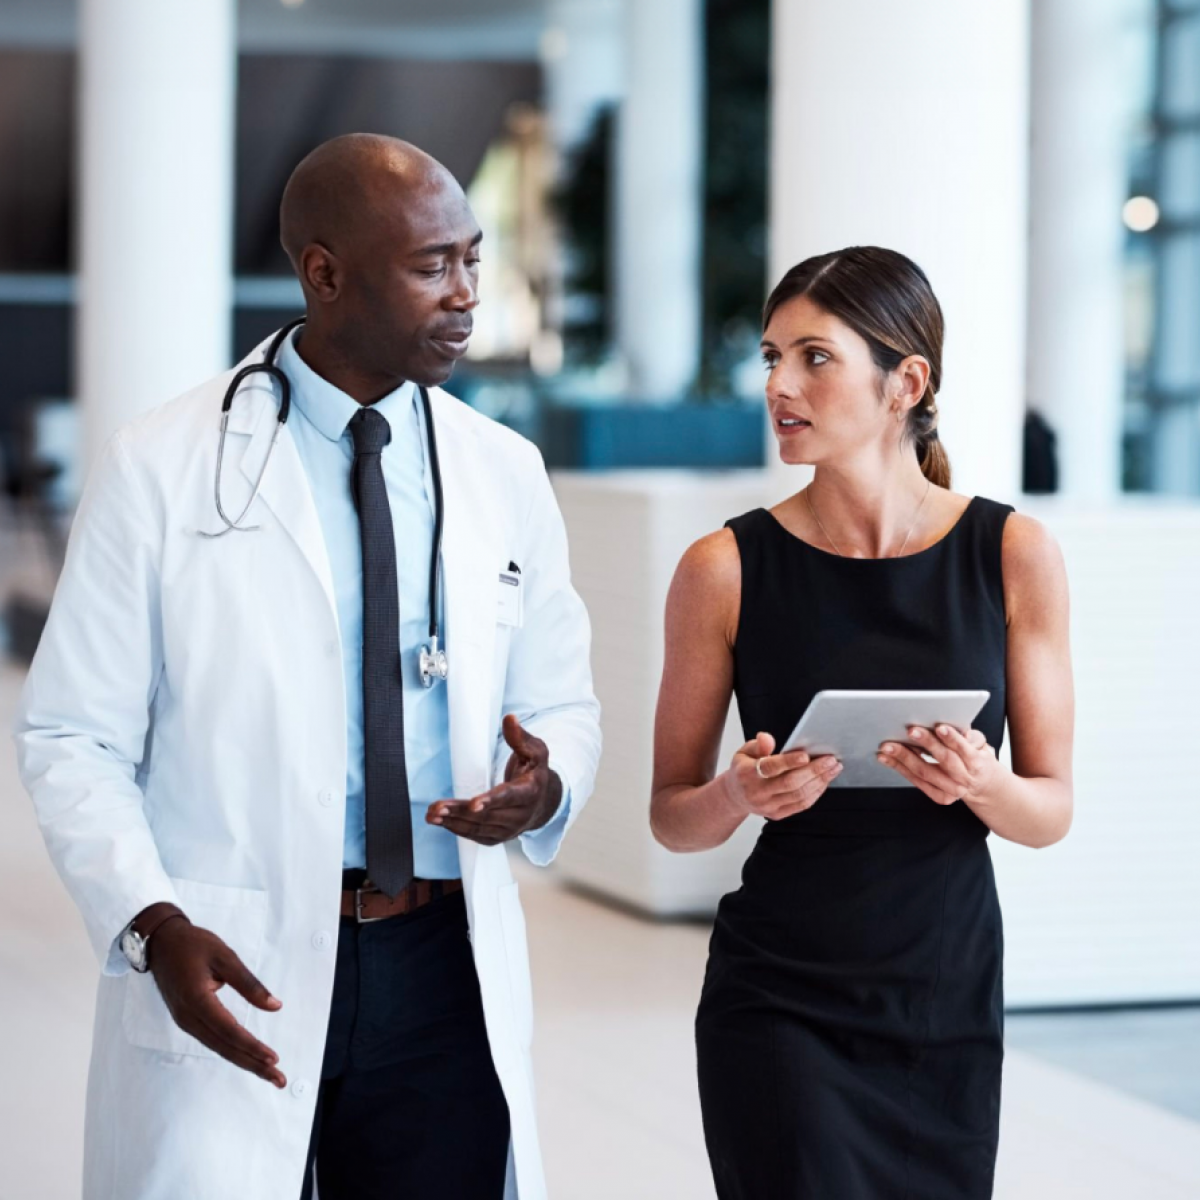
901,558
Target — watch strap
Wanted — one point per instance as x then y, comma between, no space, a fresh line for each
160,919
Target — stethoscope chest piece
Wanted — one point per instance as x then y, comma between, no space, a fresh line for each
434,664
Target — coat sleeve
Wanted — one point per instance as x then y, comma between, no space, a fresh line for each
83,726
548,685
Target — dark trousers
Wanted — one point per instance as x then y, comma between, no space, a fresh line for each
409,1104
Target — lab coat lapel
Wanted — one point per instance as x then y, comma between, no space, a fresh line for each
469,576
285,488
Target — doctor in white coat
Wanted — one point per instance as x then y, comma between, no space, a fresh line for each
223,737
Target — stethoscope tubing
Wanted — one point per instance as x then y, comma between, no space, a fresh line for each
436,658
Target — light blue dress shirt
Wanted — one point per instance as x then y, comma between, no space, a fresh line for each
321,413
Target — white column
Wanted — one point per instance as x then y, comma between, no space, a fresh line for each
157,80
581,60
1078,181
905,125
659,197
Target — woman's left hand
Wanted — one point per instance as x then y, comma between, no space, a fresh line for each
965,766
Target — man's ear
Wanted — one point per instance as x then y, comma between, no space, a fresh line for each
320,272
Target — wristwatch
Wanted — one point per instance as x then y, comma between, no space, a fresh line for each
136,946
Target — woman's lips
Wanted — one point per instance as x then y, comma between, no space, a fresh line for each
786,426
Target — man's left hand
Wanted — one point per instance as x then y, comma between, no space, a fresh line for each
527,799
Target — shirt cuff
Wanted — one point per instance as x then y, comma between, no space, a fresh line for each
541,845
114,962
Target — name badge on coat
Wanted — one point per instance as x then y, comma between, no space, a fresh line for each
511,596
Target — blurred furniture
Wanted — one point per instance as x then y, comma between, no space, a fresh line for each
627,532
41,489
1039,474
627,435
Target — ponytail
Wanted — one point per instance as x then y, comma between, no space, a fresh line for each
935,462
923,429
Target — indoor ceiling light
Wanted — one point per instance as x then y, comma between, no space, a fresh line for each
1140,214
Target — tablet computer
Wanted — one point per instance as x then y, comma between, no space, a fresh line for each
854,724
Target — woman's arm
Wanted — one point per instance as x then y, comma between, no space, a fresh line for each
689,808
1031,803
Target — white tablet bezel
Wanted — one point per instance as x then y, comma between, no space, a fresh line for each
853,725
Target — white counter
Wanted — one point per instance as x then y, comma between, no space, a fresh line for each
1110,914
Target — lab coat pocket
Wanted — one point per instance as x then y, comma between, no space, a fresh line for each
516,953
238,916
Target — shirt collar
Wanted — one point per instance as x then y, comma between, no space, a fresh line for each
327,408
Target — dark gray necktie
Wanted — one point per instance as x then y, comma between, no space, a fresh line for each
389,817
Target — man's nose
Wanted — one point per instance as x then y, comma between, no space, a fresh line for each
465,295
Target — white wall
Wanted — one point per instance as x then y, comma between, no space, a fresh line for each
1111,913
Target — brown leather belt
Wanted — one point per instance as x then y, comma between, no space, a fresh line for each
368,903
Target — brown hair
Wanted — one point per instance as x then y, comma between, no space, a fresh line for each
886,299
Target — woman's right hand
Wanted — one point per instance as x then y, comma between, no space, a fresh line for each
775,786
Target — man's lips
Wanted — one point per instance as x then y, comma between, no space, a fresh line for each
452,343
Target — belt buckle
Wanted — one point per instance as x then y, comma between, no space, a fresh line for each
358,908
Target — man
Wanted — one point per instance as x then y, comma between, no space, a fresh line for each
242,777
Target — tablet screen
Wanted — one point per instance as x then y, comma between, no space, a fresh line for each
853,725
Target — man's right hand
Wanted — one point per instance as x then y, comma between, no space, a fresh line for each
190,965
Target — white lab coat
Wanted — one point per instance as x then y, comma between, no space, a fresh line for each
183,736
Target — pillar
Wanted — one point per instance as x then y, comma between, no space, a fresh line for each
659,197
1078,184
905,125
156,95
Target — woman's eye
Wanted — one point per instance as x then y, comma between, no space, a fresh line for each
770,361
814,355
433,274
472,262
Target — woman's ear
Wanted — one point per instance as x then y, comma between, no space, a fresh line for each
913,375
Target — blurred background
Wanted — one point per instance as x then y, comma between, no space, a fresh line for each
643,171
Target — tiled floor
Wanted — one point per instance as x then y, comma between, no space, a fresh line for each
615,996
1151,1053
618,1105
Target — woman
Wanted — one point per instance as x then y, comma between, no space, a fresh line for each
849,1034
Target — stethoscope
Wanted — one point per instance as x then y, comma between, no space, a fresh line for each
433,662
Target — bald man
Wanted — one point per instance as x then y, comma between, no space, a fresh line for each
310,669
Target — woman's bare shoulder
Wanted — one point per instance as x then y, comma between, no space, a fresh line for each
708,581
1028,543
1035,574
713,560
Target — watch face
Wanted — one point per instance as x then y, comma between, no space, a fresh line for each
133,946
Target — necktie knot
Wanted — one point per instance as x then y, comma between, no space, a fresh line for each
370,431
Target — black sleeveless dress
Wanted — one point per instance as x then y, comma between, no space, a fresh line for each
850,1029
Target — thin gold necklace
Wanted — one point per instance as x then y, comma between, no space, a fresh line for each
903,545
